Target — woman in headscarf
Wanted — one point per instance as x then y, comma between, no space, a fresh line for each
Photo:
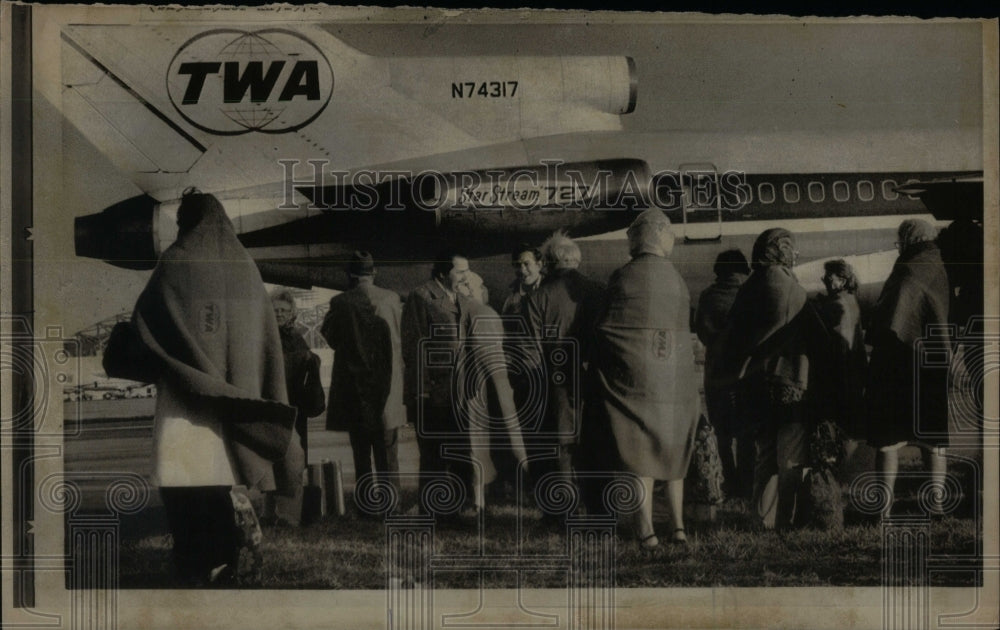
912,305
644,411
772,349
204,331
842,315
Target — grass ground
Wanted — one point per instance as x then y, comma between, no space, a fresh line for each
350,553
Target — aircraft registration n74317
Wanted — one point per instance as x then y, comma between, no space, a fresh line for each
318,148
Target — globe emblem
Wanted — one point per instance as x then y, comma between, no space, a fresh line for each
252,47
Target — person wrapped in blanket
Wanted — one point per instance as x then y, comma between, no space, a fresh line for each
775,348
642,411
204,331
906,395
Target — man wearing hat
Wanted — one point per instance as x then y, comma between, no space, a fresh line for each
366,390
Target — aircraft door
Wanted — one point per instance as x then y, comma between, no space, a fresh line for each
701,203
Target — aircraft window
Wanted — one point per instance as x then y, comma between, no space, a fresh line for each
841,191
765,192
887,190
816,192
791,192
866,191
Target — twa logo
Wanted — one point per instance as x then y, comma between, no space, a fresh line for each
231,82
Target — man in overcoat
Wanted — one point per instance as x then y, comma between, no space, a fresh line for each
432,345
366,397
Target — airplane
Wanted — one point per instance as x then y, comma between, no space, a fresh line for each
108,389
317,149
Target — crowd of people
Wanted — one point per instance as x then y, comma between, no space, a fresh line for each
573,380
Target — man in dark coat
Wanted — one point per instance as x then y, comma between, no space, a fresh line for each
562,310
527,263
432,346
907,399
305,393
363,328
731,270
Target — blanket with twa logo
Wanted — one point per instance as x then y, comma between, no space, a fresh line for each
205,325
231,81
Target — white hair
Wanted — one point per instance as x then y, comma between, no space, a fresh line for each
283,295
561,252
473,283
644,235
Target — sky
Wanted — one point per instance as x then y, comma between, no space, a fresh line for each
790,97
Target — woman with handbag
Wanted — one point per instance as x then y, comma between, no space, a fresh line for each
305,393
772,351
710,320
842,315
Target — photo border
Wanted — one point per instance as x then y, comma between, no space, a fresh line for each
37,588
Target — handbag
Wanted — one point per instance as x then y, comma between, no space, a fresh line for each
126,356
703,483
788,378
826,445
313,399
249,537
820,501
